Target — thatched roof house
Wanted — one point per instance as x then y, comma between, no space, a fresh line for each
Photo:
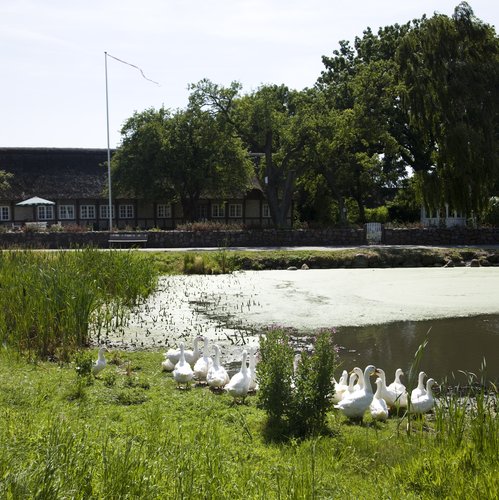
55,173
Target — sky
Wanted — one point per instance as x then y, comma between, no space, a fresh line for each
52,57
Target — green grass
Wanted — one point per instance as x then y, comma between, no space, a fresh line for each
224,260
51,303
131,434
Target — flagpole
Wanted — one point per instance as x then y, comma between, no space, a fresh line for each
108,151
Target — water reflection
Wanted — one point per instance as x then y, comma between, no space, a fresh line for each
453,344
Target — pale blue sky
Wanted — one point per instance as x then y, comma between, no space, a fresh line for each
52,58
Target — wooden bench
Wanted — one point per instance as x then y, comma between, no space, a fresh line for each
133,239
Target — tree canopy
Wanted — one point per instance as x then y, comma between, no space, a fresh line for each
180,156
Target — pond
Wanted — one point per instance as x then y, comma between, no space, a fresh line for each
381,316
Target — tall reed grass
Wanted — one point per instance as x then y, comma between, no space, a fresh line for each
52,302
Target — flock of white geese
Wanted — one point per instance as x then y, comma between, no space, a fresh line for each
353,394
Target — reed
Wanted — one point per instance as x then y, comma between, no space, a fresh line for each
53,302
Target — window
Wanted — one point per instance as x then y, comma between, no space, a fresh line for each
45,212
164,211
104,211
66,212
218,210
126,212
235,210
4,213
87,211
265,210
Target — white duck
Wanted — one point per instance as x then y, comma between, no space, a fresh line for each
239,383
340,387
217,376
420,389
352,381
424,403
360,378
190,356
392,398
378,407
355,405
100,364
203,364
253,386
167,365
399,389
183,373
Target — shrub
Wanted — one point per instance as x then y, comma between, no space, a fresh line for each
296,404
378,214
275,373
314,387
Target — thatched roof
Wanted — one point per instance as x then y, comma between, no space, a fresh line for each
55,173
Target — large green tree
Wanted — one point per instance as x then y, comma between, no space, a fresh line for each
180,156
450,70
275,123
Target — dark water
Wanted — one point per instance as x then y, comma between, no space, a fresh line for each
453,345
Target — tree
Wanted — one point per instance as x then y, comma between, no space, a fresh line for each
180,155
360,148
5,177
450,69
274,122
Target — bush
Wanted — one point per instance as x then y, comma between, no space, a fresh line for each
312,398
296,404
275,373
378,214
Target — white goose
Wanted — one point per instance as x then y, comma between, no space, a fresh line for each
203,364
253,386
360,378
183,373
420,389
340,387
239,383
190,356
399,389
355,405
167,365
217,376
352,381
387,395
425,402
378,407
100,364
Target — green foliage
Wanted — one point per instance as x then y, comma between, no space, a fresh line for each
296,402
125,442
378,214
275,374
51,303
492,212
449,68
179,156
314,387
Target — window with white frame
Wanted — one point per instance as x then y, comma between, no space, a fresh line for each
218,210
164,211
104,211
66,212
265,210
45,212
4,212
87,211
126,212
235,210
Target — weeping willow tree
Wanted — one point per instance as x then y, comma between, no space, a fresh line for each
450,68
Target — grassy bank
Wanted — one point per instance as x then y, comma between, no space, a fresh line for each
222,260
132,434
